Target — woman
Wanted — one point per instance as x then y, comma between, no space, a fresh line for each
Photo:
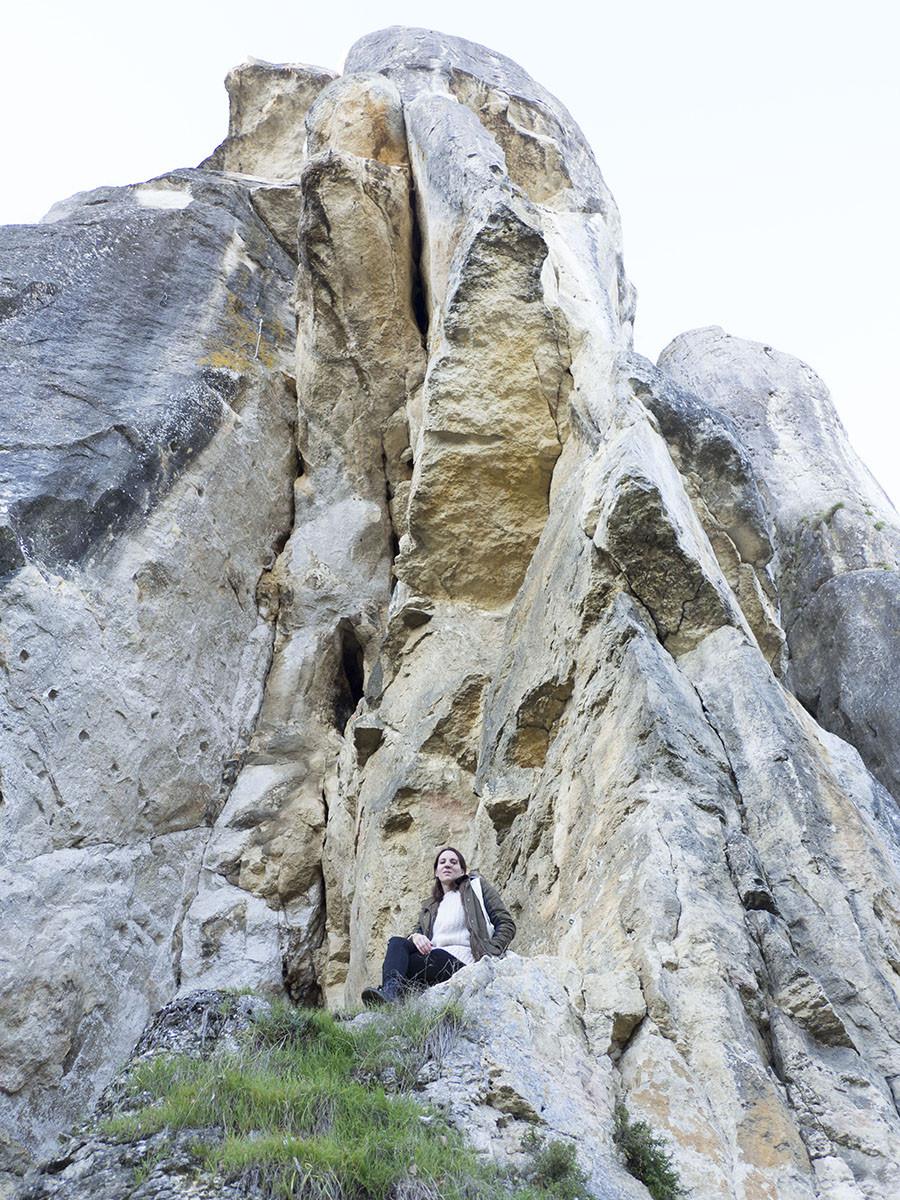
453,931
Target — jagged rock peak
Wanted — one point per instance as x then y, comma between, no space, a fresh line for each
546,152
837,534
267,104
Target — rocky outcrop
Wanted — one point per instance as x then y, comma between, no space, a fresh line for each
838,536
149,457
524,1060
519,1063
92,1164
358,359
383,537
268,103
719,478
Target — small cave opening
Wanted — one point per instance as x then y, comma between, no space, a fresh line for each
394,540
299,954
367,739
350,674
395,554
418,298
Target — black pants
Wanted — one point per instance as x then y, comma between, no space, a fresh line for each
404,962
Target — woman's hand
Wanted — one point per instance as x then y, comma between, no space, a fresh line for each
421,943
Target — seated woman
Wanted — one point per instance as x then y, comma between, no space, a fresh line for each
463,920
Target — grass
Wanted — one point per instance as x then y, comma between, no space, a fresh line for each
825,517
308,1106
646,1156
144,1169
230,997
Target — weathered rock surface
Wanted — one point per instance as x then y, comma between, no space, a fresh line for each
838,536
149,457
506,585
524,1061
92,1165
358,114
719,479
267,106
521,1064
359,353
545,149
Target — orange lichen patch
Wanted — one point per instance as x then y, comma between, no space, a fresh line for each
694,1135
759,1187
235,347
670,1111
650,1099
702,1139
767,1139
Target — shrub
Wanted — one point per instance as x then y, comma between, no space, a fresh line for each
646,1156
554,1168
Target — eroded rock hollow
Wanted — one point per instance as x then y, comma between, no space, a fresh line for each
340,521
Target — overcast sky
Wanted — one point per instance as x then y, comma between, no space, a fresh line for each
752,147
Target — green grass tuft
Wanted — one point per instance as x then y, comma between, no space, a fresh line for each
144,1168
646,1156
826,516
230,997
307,1106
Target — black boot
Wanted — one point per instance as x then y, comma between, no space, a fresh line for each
389,992
392,989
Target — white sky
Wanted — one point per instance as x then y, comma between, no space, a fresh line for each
752,147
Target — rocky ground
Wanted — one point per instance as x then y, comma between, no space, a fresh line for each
520,1063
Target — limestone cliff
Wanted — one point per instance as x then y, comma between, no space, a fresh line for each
339,521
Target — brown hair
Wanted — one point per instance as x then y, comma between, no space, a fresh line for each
437,891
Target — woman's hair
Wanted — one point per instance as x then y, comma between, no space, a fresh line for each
437,891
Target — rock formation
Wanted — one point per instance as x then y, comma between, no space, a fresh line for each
341,521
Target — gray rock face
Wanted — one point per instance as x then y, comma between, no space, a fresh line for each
544,152
524,117
149,457
844,648
95,1166
80,459
524,1060
719,479
838,536
480,576
260,909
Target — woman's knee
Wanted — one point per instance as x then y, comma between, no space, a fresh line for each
396,942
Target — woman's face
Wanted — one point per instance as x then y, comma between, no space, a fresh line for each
448,867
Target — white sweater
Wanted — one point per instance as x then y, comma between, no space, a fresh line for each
450,932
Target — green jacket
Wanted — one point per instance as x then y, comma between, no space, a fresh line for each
482,944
